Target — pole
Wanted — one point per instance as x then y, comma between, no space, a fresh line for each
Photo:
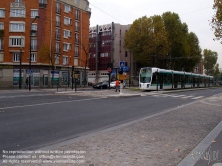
20,67
30,53
72,76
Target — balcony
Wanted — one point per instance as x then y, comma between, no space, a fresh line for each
42,3
17,5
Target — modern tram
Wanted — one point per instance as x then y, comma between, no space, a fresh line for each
152,78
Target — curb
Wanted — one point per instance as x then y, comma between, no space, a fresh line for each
201,147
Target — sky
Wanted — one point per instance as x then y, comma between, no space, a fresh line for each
195,13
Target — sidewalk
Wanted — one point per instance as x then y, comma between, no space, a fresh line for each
176,136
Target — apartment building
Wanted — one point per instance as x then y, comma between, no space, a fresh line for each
42,40
106,50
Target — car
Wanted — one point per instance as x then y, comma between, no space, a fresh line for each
101,85
113,85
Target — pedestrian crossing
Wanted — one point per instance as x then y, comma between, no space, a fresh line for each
178,96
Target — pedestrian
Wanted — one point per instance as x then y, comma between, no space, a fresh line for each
26,82
117,85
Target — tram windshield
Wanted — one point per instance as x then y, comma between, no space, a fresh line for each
145,75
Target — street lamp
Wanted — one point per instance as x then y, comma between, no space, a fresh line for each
30,54
20,67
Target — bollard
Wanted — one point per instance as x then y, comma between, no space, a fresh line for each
121,88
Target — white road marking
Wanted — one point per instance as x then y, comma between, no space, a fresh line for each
48,103
25,95
187,97
197,97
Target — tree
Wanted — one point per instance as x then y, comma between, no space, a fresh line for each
216,73
194,53
216,22
177,37
210,60
45,56
145,38
85,47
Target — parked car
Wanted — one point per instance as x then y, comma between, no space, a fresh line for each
113,84
101,85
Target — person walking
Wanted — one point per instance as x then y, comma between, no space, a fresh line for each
117,85
27,82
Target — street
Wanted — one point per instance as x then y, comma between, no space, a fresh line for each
30,120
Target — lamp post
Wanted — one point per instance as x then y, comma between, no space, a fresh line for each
30,54
20,67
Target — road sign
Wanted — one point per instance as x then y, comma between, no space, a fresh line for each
30,71
109,69
121,63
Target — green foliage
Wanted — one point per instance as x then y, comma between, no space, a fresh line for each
216,22
210,60
163,41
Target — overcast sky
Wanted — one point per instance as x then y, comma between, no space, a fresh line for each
195,13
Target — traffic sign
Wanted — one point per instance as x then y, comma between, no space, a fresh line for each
30,71
109,69
121,63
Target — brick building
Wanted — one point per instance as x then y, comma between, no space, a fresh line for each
106,49
50,32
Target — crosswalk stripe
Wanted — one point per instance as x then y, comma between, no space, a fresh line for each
187,97
197,97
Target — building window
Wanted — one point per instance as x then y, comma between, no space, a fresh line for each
67,8
18,0
66,46
34,30
1,25
56,59
76,51
17,13
16,41
2,12
1,56
76,37
58,20
1,44
67,33
57,33
16,57
17,27
67,21
34,13
57,47
58,7
33,57
102,55
65,60
126,53
77,26
76,1
77,15
33,44
42,3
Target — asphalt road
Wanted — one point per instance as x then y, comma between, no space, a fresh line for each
36,119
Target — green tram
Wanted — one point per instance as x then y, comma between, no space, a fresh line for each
151,78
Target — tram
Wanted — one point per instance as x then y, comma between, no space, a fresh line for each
152,78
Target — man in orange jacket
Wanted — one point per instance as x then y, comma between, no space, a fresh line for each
117,85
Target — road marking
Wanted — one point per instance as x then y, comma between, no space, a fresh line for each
197,97
187,97
25,95
59,102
